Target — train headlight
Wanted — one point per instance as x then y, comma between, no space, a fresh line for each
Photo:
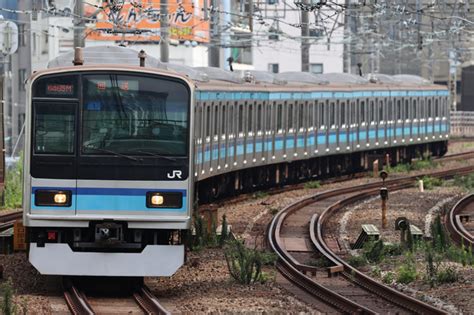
158,199
58,198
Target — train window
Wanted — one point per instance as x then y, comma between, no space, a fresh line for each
343,113
389,110
250,119
436,107
362,111
241,118
430,110
399,109
223,119
332,114
230,120
279,117
290,117
415,110
300,116
407,109
268,116
372,111
380,110
422,108
259,117
208,121
197,121
54,128
215,118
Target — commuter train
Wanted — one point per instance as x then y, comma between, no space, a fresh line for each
116,155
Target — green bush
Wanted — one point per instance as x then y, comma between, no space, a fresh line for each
447,275
399,168
312,184
357,261
388,277
14,185
440,239
224,231
392,249
245,264
374,251
260,194
406,273
421,164
466,181
430,182
7,305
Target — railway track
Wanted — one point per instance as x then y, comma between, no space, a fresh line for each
297,234
459,222
8,220
141,301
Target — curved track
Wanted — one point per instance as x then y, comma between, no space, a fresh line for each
459,222
294,242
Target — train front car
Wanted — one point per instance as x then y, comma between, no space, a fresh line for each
108,190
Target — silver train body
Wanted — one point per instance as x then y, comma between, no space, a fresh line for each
241,134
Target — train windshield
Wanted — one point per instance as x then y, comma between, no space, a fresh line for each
132,115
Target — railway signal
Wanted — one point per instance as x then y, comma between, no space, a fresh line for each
384,197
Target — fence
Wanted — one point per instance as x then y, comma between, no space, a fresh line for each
462,124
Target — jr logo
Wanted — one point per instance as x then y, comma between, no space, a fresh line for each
174,174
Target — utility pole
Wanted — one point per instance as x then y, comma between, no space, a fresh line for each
215,38
164,32
347,35
305,38
79,25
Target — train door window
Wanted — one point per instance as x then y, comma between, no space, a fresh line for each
422,108
250,118
259,117
290,117
407,109
389,110
353,118
241,119
332,114
320,111
198,122
280,117
54,128
437,107
415,110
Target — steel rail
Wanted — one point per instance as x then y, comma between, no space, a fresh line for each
148,302
77,302
289,263
453,224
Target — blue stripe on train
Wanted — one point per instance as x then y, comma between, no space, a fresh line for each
332,137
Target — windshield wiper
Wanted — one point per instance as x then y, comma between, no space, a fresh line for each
113,152
157,155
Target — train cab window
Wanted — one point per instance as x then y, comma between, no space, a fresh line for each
54,128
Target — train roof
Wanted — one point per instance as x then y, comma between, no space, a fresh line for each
216,78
